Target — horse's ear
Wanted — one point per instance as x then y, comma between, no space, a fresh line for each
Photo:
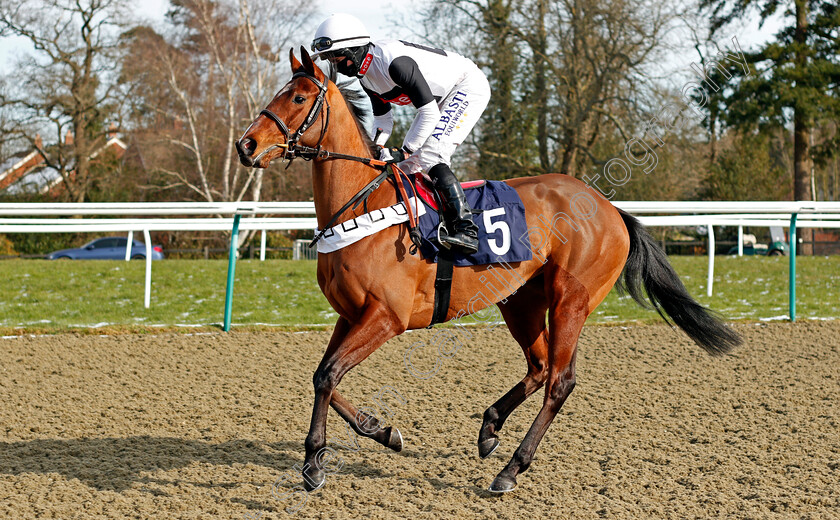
296,65
309,65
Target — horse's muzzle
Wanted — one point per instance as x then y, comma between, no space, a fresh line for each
246,147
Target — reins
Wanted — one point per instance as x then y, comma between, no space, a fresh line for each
357,199
413,229
308,153
362,195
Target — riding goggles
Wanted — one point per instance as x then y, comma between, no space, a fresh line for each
323,43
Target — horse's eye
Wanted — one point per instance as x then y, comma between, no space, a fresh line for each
299,100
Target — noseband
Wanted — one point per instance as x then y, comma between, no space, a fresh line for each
293,149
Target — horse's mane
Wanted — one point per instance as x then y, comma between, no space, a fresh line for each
357,101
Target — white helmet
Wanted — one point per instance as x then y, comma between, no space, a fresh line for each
339,31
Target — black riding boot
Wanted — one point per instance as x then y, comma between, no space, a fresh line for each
463,233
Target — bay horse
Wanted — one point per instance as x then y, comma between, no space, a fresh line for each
379,291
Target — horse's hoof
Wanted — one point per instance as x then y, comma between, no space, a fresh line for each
395,440
502,484
313,479
487,447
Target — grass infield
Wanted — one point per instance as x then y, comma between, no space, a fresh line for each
102,297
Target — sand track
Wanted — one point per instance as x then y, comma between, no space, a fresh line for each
175,426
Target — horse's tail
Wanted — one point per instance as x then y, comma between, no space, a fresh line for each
648,266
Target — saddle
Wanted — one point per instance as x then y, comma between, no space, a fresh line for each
427,194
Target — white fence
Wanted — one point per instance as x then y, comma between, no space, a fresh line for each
15,224
157,208
228,216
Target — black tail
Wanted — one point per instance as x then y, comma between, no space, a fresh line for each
648,265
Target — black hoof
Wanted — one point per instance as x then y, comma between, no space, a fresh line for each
313,479
502,484
395,440
487,447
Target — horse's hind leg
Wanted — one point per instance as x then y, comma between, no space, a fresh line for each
524,313
567,314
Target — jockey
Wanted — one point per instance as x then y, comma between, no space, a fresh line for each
448,90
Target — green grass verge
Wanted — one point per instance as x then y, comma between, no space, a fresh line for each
39,296
746,288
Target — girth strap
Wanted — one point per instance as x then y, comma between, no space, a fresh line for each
443,287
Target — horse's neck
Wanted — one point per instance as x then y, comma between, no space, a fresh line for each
336,181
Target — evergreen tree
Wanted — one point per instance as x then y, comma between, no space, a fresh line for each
793,78
749,170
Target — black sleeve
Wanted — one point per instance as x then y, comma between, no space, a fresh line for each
380,108
405,73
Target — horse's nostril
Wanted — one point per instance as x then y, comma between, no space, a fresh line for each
247,146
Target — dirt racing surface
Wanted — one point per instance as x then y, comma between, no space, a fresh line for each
211,426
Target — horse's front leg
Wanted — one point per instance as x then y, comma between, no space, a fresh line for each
366,425
350,344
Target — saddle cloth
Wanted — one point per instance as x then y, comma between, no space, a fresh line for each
355,229
502,229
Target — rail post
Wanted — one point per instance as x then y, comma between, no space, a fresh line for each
792,268
711,278
234,246
128,245
147,299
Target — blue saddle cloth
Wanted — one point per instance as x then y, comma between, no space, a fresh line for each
502,229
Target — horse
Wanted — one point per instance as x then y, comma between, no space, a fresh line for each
380,290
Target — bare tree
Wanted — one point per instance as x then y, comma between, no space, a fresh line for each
67,84
600,66
203,80
7,140
574,69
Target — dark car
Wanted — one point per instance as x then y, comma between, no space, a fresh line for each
110,248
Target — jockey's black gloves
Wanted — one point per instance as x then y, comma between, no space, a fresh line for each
393,155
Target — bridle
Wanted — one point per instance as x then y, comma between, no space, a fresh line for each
307,153
293,149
